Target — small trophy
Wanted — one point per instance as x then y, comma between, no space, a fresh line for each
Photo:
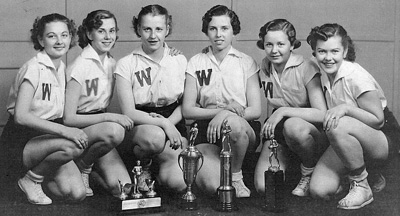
190,167
274,182
226,192
132,199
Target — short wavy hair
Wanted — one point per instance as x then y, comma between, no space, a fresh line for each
329,30
91,22
219,10
154,10
278,25
39,26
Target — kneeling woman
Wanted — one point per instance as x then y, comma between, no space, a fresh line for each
354,122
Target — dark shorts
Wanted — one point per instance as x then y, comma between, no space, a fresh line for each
12,144
392,131
125,149
202,125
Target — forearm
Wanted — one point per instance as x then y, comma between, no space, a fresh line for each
197,113
365,117
39,124
309,114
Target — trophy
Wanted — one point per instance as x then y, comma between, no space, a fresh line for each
190,167
274,182
132,199
226,192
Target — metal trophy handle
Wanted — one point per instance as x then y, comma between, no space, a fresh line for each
226,192
274,182
190,167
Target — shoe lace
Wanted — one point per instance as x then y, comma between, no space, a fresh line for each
353,190
303,183
39,191
85,179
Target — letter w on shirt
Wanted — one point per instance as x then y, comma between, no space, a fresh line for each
144,76
92,86
268,88
203,78
46,91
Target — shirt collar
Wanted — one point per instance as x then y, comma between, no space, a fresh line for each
294,60
139,51
232,51
344,70
44,59
89,53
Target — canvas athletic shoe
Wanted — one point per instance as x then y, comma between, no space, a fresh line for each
33,191
360,195
303,187
241,189
85,179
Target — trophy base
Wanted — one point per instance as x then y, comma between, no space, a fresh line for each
188,205
226,207
142,205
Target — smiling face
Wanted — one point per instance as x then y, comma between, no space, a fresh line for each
153,30
56,39
220,33
103,38
330,55
277,47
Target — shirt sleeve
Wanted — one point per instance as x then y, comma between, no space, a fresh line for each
191,67
77,71
361,82
251,67
309,71
122,68
30,73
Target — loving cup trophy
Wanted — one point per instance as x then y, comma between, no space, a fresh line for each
190,167
134,200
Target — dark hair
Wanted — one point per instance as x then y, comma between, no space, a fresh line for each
154,10
278,25
93,21
329,30
39,26
219,10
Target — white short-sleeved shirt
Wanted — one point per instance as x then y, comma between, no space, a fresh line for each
48,83
153,84
290,90
96,79
220,84
350,82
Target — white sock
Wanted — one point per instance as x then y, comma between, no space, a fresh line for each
306,171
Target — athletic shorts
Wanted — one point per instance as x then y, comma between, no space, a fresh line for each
12,144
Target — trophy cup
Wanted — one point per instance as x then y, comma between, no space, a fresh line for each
190,167
274,182
131,198
226,192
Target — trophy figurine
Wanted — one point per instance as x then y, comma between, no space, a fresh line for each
274,182
226,192
137,171
190,167
132,200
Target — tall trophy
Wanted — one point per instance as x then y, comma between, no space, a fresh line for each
274,182
190,167
226,192
132,200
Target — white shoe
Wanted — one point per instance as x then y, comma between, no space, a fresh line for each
303,187
360,195
33,191
379,183
85,179
241,189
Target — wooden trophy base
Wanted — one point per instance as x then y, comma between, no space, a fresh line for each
139,206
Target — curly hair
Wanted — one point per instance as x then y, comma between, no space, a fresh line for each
329,30
39,26
219,10
153,10
278,25
91,22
